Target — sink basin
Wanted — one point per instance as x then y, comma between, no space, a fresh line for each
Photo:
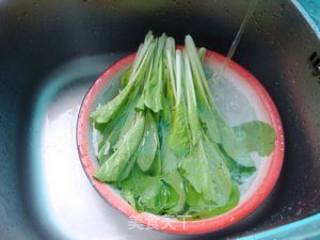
52,51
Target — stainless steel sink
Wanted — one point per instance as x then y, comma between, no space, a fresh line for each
50,53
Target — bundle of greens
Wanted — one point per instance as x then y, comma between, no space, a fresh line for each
163,142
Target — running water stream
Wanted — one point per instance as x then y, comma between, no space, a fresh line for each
234,45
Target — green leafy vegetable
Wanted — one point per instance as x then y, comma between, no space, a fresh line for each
149,144
162,141
179,136
257,137
148,193
199,208
154,86
128,143
207,112
176,182
105,113
208,175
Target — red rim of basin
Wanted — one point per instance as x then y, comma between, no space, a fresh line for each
170,225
